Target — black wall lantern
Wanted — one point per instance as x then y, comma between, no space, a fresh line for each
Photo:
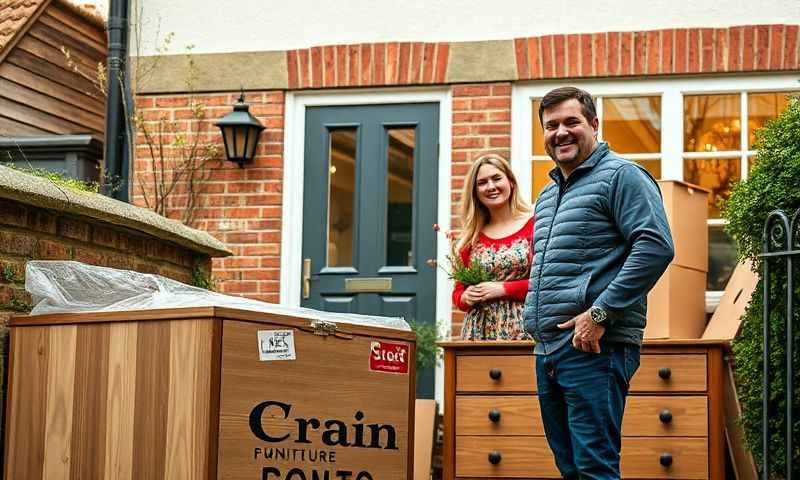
240,131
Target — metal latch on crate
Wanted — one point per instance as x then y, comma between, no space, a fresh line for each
321,327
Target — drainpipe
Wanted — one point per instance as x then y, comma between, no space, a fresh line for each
116,151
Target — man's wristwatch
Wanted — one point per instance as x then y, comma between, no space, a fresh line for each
599,316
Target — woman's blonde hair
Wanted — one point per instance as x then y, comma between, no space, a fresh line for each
475,215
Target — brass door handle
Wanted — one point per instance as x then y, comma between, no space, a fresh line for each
306,278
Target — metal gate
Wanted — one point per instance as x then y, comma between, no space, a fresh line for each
781,246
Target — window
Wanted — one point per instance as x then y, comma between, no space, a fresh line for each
712,136
631,125
701,131
718,152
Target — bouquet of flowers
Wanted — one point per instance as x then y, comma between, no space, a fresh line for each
471,274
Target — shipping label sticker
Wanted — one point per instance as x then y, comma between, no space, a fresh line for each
388,357
276,345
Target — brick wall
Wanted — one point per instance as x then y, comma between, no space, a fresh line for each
746,48
481,124
32,233
239,206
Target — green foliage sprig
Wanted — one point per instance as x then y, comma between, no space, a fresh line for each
17,305
471,274
202,278
56,178
9,275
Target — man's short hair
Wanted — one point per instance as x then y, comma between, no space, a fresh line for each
562,94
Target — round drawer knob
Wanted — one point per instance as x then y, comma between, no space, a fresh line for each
495,457
665,373
494,415
665,416
665,459
495,374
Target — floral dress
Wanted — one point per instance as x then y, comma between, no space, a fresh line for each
508,260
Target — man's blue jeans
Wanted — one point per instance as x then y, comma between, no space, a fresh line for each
582,398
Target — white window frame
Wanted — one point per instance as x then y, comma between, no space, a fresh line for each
599,105
671,91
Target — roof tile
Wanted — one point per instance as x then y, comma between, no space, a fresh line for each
14,15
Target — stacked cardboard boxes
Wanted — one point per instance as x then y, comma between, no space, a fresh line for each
676,305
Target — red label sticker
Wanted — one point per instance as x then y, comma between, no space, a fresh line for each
388,357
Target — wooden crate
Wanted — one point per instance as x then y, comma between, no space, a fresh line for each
183,393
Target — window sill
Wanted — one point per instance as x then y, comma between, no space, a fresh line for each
712,300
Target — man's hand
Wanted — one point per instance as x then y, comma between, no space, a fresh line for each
482,292
587,332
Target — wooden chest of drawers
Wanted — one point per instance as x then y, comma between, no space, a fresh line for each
672,429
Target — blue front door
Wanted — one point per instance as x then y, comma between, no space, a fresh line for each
368,209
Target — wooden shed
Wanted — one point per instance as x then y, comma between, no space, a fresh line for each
49,56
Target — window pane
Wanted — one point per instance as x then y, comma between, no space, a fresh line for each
400,191
717,175
711,123
632,125
721,258
762,107
537,139
341,179
751,160
540,170
652,166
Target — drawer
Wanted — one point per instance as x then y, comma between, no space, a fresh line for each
519,457
514,373
528,457
645,416
498,415
670,373
641,458
671,416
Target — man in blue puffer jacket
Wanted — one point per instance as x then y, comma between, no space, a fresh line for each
601,242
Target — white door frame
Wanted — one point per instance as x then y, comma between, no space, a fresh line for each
293,164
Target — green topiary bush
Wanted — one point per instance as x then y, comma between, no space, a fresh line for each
774,183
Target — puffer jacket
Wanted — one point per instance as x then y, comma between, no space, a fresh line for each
601,238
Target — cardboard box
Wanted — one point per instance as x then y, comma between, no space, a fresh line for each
424,425
727,318
687,212
676,305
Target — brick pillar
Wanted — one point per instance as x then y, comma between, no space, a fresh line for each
481,124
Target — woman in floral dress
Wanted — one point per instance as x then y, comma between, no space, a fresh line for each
497,232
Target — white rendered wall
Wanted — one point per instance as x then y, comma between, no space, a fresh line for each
100,6
262,25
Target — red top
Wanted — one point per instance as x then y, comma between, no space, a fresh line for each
515,289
